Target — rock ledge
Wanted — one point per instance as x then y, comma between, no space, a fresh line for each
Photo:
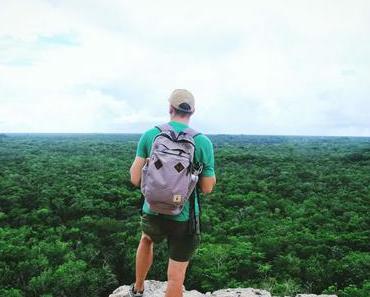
157,289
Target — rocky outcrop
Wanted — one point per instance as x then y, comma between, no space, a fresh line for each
157,289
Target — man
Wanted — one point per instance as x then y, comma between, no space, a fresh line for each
156,227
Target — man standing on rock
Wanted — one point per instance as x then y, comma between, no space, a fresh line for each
157,225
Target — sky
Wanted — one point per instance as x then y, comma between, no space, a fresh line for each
278,67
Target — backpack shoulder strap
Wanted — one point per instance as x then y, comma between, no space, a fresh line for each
164,127
168,127
194,224
191,132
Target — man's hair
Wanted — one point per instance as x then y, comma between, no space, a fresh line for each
182,113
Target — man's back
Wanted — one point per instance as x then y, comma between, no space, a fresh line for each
203,154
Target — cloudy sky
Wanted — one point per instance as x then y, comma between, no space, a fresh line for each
288,67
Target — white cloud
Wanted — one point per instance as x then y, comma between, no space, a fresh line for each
266,67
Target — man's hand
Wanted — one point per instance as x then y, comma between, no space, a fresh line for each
207,183
135,170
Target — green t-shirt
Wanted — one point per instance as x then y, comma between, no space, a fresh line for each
203,154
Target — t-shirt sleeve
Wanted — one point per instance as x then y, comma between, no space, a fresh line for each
142,145
206,156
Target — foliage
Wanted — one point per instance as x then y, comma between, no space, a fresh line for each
288,214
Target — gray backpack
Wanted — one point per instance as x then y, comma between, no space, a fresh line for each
170,176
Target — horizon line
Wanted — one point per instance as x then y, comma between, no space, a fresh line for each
211,134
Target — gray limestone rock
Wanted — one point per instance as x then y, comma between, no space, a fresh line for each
157,289
153,288
241,292
313,295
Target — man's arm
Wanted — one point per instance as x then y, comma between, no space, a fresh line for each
139,161
135,170
206,156
207,183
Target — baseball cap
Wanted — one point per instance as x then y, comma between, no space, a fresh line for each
183,100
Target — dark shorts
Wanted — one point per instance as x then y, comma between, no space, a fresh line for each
181,245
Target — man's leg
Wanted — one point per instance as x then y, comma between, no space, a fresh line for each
176,276
181,247
144,259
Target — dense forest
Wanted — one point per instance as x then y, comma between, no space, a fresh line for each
288,214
